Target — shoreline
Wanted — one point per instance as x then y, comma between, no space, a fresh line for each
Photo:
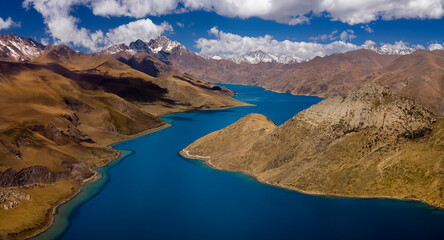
206,160
97,176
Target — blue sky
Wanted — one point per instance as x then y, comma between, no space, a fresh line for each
423,25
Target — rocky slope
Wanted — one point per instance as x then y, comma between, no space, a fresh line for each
259,56
371,143
15,48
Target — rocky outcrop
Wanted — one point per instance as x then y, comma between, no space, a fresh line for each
60,136
10,198
30,175
371,143
39,174
16,48
77,105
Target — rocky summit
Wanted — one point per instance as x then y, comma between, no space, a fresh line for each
370,143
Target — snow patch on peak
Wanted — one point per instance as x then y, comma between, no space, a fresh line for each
140,46
16,48
398,48
159,47
164,44
119,48
259,56
216,58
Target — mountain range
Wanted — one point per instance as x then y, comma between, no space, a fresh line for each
336,74
62,109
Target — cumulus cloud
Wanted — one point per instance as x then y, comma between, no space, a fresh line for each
8,23
143,29
63,28
132,8
230,46
283,11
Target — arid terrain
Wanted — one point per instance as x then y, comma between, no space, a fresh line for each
419,75
377,134
371,143
62,110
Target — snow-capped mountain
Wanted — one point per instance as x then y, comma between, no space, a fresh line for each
164,44
15,48
119,48
159,47
140,46
259,56
398,48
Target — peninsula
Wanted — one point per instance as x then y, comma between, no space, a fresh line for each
371,143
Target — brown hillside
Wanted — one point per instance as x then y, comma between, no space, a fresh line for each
371,143
60,114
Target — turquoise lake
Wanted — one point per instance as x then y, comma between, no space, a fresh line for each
154,193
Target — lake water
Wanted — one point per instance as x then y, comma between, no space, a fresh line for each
156,194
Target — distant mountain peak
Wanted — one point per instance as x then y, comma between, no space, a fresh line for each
162,43
154,47
259,56
140,46
16,48
398,48
58,52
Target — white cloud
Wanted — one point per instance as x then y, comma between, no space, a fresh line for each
284,11
8,23
332,36
367,28
143,29
298,20
364,11
347,35
179,24
290,12
435,46
63,29
132,8
230,46
44,41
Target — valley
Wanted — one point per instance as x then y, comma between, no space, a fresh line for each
377,134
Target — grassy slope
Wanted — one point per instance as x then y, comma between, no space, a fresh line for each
62,82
